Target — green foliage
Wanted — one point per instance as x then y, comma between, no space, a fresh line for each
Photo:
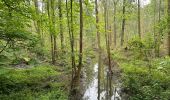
32,83
142,48
32,95
13,79
140,84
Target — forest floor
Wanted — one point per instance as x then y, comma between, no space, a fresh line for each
42,82
133,78
143,78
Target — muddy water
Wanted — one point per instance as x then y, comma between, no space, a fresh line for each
91,91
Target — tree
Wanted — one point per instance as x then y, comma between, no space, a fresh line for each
72,40
115,26
99,47
51,19
108,40
123,23
81,39
139,20
61,25
75,92
14,19
169,27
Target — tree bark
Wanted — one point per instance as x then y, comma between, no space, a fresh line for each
51,16
81,38
38,22
139,24
72,39
61,25
123,23
53,30
159,33
154,29
169,27
99,48
115,26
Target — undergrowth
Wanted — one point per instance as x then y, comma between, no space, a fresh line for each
35,83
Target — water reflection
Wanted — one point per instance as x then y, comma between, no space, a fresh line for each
91,92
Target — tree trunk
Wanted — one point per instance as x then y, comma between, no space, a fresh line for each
37,25
159,34
115,26
154,30
123,23
52,29
110,69
99,48
107,36
169,27
81,38
61,25
139,24
72,39
38,22
75,88
55,50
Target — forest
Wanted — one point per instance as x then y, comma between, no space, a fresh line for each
84,49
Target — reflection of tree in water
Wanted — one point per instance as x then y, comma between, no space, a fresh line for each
92,92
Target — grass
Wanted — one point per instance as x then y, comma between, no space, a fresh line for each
140,83
35,83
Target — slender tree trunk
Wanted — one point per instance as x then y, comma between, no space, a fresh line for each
38,22
159,34
75,91
154,30
110,69
51,36
72,39
55,49
61,25
99,48
123,23
42,30
106,39
139,24
115,26
53,30
105,20
69,32
107,36
52,48
169,27
75,79
37,17
81,38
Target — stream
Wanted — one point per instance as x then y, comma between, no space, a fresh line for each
91,88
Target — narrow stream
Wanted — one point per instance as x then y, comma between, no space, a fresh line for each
91,91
